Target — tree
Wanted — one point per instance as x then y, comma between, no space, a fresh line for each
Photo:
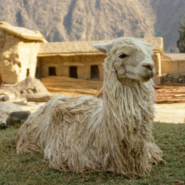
181,41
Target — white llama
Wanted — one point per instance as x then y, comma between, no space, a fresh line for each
113,135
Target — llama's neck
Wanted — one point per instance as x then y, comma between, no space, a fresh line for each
127,104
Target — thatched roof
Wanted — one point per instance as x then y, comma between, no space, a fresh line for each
22,32
173,56
85,47
65,48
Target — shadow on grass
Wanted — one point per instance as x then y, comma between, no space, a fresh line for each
31,169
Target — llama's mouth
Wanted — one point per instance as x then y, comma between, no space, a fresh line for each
145,78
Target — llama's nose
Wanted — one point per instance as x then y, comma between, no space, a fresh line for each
148,66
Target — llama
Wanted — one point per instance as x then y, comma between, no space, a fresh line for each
114,135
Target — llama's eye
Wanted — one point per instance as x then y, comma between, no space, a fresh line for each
122,56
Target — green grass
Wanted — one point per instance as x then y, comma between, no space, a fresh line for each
31,169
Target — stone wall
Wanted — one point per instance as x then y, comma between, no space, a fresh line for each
171,66
9,59
2,39
62,65
83,63
46,62
173,78
28,57
16,56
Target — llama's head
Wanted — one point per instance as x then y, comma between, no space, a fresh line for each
131,58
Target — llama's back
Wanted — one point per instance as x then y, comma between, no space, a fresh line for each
62,129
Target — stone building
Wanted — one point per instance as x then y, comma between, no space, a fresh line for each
24,52
18,52
173,68
79,59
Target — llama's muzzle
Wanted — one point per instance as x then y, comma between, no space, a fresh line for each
148,67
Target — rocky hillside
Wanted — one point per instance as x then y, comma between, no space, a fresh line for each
169,14
63,20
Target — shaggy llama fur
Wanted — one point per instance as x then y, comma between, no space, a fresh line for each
113,135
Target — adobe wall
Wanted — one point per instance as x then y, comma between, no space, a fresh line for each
2,39
171,66
9,58
83,63
28,57
62,64
45,62
16,55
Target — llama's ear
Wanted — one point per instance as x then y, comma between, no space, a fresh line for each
104,47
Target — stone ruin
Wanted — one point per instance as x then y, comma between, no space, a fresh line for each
25,53
173,78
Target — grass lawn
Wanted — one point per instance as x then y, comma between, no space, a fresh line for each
31,169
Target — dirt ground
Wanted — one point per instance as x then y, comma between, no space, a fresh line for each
166,113
170,113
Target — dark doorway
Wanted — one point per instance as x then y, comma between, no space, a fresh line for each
37,72
94,72
52,71
73,72
27,72
0,80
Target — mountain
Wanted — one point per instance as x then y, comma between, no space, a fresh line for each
165,16
169,14
69,20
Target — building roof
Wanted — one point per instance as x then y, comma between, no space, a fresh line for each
65,48
173,56
157,42
22,32
85,47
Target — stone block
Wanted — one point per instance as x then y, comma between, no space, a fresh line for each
17,117
182,74
6,108
38,97
176,76
180,80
